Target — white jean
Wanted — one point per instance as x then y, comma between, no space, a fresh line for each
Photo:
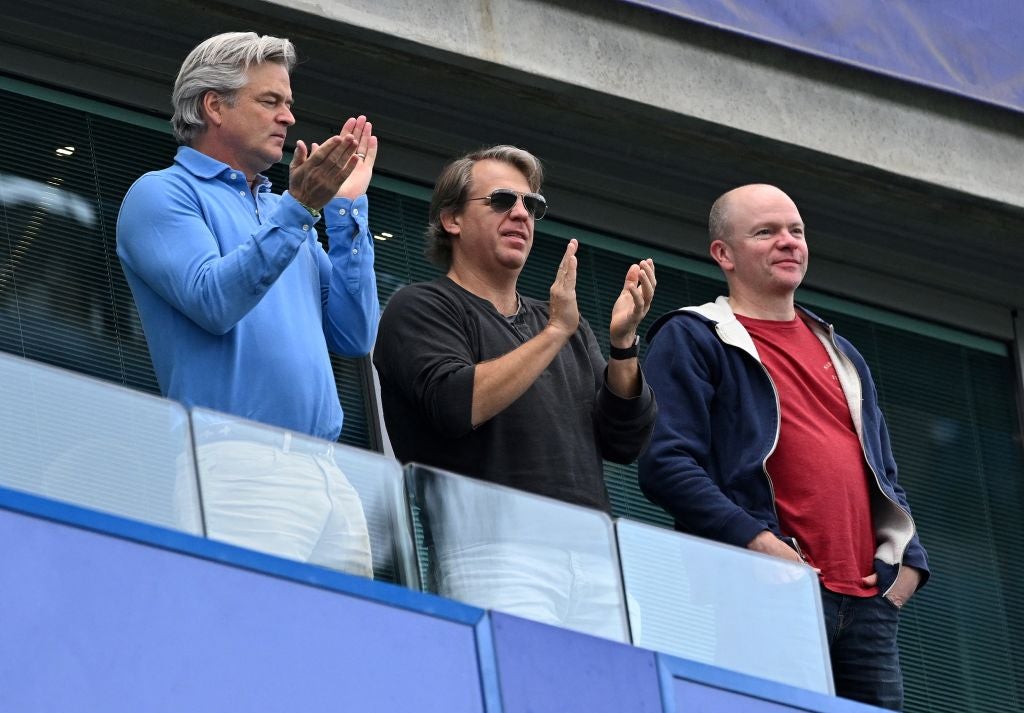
566,588
291,504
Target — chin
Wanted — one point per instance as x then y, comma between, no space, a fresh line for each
513,263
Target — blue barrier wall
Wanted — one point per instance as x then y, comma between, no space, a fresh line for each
93,622
969,47
100,613
549,670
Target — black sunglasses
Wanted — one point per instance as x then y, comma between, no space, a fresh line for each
502,200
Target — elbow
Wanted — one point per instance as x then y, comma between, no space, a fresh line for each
217,328
216,322
353,338
450,422
210,306
645,481
365,339
450,406
353,344
622,456
651,477
625,442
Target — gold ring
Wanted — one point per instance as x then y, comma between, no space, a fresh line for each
361,155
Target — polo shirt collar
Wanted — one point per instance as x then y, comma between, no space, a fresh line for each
202,166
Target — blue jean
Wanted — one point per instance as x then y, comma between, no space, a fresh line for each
862,643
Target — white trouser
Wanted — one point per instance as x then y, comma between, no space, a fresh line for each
567,588
287,503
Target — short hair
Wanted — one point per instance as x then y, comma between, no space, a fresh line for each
718,220
220,64
452,190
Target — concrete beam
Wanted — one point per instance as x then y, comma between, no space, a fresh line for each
680,67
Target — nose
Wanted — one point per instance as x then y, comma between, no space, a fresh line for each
518,210
287,117
787,239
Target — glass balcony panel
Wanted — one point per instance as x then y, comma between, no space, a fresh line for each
503,549
721,605
97,445
302,498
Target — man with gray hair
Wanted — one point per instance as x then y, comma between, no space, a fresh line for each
239,301
480,380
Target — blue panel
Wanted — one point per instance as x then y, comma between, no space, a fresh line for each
93,622
488,666
970,47
136,531
697,698
690,687
545,669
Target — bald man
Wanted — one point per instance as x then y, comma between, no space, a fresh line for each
770,437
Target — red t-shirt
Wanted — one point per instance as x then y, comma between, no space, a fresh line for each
818,469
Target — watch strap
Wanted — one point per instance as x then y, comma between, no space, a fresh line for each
312,211
628,353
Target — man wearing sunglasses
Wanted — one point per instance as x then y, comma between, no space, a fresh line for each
483,381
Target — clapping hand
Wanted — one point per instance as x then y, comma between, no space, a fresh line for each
563,312
322,172
633,303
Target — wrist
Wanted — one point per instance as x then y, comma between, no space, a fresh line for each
313,212
305,202
763,541
559,333
628,352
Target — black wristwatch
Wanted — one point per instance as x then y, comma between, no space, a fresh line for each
628,353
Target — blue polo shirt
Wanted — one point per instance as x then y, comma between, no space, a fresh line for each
239,302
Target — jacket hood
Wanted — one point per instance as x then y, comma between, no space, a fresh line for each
717,315
709,312
720,314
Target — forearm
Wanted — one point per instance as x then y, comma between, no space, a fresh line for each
212,272
351,320
351,310
680,468
623,377
624,424
767,543
499,382
692,498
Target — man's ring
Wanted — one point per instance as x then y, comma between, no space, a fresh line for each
361,155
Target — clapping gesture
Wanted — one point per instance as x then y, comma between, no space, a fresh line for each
341,165
633,303
365,156
563,312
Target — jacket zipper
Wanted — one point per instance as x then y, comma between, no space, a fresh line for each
774,443
775,440
864,452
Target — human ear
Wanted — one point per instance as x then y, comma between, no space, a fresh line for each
212,105
721,253
451,222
